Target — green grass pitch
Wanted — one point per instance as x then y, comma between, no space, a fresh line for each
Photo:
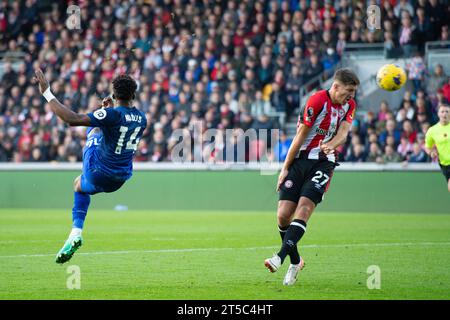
219,255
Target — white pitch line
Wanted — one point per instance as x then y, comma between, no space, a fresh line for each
393,244
93,240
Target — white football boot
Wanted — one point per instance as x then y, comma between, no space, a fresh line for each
273,264
291,275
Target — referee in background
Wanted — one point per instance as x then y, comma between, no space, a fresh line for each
437,141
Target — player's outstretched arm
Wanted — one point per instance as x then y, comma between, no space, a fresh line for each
67,115
297,142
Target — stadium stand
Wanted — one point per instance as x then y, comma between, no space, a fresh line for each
215,64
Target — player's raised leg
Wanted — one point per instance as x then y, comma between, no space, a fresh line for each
82,190
79,212
108,169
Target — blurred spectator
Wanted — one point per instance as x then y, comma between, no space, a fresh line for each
259,106
357,153
403,5
423,28
282,147
407,34
445,91
314,67
405,147
417,154
384,110
406,112
375,154
390,155
408,131
437,13
436,80
390,131
416,70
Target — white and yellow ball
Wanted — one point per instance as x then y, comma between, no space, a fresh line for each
391,77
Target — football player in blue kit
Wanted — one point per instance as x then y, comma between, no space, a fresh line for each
113,135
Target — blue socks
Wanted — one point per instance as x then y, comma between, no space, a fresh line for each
80,207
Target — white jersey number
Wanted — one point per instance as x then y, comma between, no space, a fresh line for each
131,144
319,175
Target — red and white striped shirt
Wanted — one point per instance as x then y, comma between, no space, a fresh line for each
324,119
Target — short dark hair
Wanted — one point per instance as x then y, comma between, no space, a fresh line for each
346,76
124,87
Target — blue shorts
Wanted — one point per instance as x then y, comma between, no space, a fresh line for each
93,179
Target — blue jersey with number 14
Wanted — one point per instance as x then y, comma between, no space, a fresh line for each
122,128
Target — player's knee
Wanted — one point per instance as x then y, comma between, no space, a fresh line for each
77,184
283,220
284,213
304,211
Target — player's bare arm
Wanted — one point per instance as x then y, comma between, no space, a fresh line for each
67,115
338,139
432,152
297,142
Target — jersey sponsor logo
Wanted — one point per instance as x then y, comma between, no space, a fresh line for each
92,142
288,184
100,114
327,133
321,131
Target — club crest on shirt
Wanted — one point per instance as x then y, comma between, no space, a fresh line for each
288,184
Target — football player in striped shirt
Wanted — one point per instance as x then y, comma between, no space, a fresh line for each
323,125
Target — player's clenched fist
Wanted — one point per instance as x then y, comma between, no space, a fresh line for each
107,102
326,148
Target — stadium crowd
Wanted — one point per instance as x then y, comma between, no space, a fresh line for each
208,64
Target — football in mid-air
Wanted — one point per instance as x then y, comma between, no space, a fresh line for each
391,77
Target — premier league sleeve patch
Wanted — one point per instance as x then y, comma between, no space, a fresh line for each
104,117
309,114
100,114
